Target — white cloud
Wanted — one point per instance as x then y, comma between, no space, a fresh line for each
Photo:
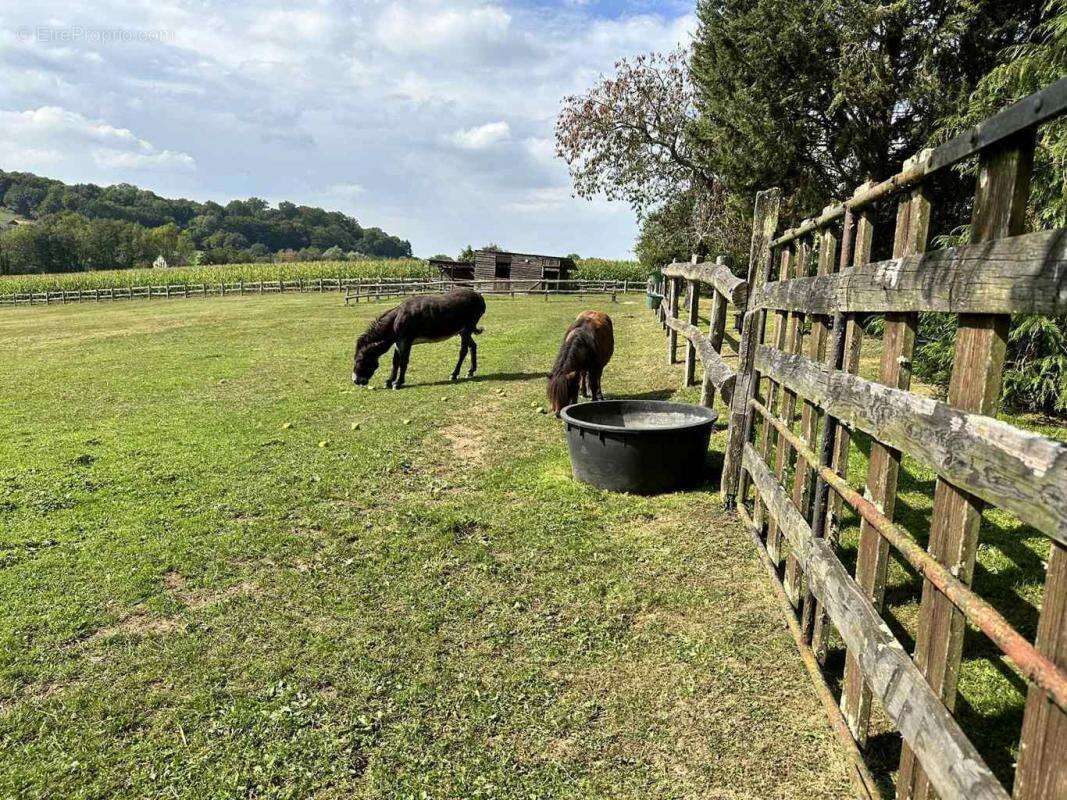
431,118
348,190
482,136
68,134
419,28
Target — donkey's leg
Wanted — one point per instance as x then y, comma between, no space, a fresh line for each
396,367
464,345
404,347
583,388
474,355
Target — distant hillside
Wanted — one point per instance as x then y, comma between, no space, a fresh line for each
124,226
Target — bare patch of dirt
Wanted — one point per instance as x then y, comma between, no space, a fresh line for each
139,623
142,622
466,444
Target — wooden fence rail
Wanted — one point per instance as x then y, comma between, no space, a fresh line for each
726,288
353,288
511,287
796,403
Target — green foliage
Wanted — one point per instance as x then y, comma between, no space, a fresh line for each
605,269
1035,375
228,273
226,234
816,97
665,234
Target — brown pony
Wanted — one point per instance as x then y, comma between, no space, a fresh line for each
586,350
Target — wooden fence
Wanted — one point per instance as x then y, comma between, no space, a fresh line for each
369,290
187,290
797,403
354,289
726,289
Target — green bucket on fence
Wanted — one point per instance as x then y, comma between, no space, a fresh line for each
652,300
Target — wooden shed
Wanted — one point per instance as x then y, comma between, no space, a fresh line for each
453,270
500,265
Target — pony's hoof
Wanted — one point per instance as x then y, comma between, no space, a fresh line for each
470,374
454,378
388,384
396,386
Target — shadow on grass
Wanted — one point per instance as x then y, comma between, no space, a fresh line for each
502,377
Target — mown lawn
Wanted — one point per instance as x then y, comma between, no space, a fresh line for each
226,572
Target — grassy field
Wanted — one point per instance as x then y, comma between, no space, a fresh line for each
225,572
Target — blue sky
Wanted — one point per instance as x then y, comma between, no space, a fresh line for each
433,120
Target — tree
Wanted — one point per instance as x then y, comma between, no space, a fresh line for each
816,97
631,137
664,235
1035,375
23,199
627,137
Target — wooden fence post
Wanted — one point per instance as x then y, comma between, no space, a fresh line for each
789,335
1042,770
764,223
872,561
857,240
981,343
672,312
690,348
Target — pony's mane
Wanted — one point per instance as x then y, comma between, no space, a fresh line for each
377,331
573,355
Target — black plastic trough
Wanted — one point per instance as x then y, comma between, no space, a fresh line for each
639,446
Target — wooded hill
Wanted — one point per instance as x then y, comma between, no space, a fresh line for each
84,226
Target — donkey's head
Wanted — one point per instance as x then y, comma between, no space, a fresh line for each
364,364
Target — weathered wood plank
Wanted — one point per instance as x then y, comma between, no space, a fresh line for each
775,399
718,371
860,246
1042,770
1017,274
809,420
672,313
690,349
981,344
872,561
788,404
1020,471
715,274
716,333
955,767
764,223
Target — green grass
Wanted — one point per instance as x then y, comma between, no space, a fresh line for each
226,572
221,273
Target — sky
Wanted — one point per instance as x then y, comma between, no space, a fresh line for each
433,120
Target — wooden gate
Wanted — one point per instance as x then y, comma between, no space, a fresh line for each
797,402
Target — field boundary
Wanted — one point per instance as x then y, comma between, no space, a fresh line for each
797,403
353,289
